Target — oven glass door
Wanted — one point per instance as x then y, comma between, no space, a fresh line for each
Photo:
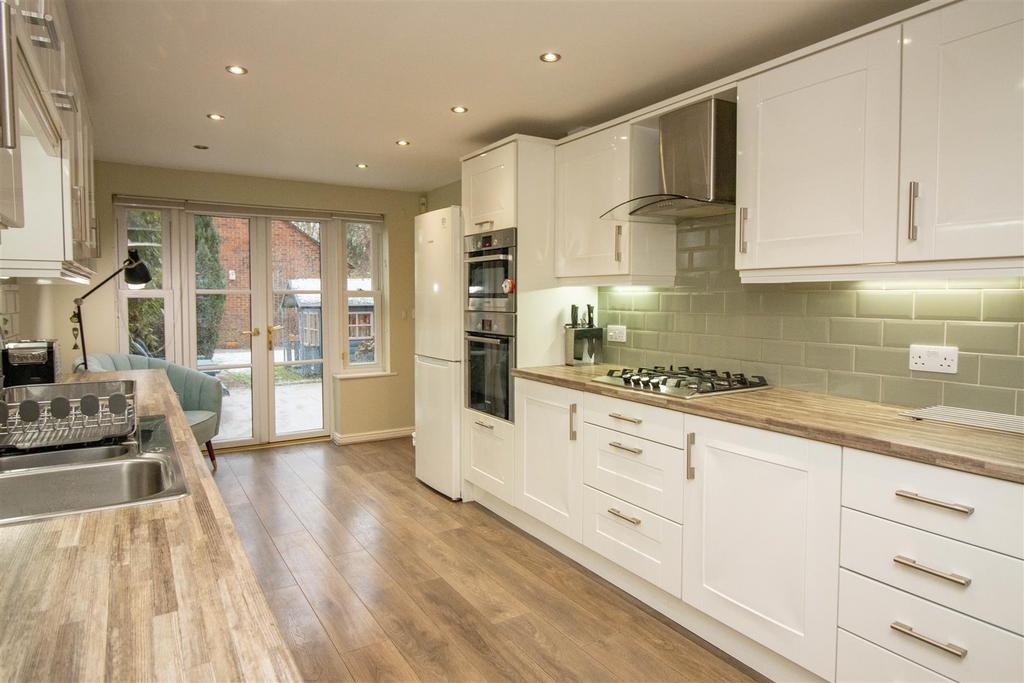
486,277
489,362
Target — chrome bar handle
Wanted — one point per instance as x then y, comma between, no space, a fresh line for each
948,576
620,416
482,223
572,422
912,212
691,472
478,423
635,521
64,100
628,449
954,650
484,340
742,237
8,110
51,40
618,243
955,507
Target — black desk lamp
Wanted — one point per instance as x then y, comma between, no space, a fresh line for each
136,274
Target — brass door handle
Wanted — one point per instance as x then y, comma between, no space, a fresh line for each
254,332
270,335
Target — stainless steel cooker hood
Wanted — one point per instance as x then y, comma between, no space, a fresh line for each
698,166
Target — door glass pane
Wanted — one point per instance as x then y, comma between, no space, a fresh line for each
298,398
295,254
221,321
147,327
222,252
301,319
236,404
145,233
359,251
362,327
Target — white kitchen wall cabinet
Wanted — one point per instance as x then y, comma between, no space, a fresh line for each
488,454
761,537
593,174
46,182
962,165
549,455
489,190
818,158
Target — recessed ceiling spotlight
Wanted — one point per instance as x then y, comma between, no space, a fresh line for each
201,146
459,109
360,165
402,143
236,70
215,117
550,57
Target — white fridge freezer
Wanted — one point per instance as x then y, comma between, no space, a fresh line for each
439,332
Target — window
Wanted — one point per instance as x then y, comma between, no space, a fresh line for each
147,313
309,328
364,284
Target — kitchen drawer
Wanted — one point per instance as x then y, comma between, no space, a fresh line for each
990,514
870,609
647,545
995,582
859,661
641,472
637,419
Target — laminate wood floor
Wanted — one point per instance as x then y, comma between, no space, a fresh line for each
374,577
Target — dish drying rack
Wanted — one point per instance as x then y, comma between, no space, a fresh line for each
44,415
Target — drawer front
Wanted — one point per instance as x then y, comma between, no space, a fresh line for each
870,609
643,543
859,661
637,419
978,582
968,507
488,454
640,472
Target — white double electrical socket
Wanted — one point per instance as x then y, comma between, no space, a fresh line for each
934,358
616,333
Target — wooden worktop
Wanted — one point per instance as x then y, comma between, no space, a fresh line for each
158,591
832,419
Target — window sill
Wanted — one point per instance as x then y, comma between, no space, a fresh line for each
363,375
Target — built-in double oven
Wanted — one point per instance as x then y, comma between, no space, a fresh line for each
490,321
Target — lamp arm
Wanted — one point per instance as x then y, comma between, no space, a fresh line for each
127,264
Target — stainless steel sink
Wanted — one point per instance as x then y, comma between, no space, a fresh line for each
62,489
66,481
11,463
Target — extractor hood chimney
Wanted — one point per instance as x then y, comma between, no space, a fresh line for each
698,166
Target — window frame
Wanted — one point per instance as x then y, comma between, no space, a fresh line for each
379,317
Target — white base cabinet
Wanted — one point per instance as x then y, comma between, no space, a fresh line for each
549,455
761,538
488,453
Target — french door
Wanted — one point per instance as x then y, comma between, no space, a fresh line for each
259,307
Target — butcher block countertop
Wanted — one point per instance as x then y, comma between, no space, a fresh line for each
157,591
831,419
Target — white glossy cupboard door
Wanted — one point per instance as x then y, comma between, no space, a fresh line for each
488,453
761,538
818,158
549,455
963,133
489,190
591,176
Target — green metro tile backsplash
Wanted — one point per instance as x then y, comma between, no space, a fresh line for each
842,338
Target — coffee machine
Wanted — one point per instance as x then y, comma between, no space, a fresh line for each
34,361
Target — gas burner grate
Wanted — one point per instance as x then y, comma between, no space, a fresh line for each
682,381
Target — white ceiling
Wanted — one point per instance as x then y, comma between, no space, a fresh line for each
333,83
